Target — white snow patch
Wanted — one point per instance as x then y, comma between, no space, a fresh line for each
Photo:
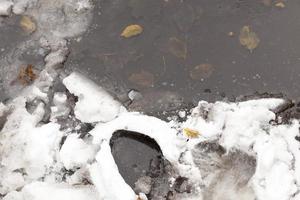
45,191
76,153
5,7
94,103
107,179
245,126
60,107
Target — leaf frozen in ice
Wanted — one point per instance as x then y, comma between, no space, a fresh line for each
201,71
177,47
248,38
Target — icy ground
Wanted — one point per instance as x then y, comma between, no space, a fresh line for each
243,150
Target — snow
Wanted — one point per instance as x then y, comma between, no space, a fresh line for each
245,126
94,103
60,107
107,179
5,7
242,126
165,136
3,109
172,147
275,159
44,191
76,153
34,160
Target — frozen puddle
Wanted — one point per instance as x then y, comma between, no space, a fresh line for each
240,150
60,135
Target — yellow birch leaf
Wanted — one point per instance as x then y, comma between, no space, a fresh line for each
27,24
132,30
191,133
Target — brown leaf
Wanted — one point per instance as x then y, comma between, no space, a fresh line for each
177,47
26,75
27,24
248,38
132,30
204,70
191,133
142,78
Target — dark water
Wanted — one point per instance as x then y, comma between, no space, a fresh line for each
202,26
10,34
136,155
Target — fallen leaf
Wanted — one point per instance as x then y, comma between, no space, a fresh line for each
177,48
280,5
201,71
26,75
248,38
132,30
142,78
191,133
27,24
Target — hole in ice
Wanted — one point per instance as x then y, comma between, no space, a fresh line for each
136,155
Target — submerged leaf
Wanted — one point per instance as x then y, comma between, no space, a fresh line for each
177,48
280,5
191,133
142,78
27,24
132,30
204,70
248,38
